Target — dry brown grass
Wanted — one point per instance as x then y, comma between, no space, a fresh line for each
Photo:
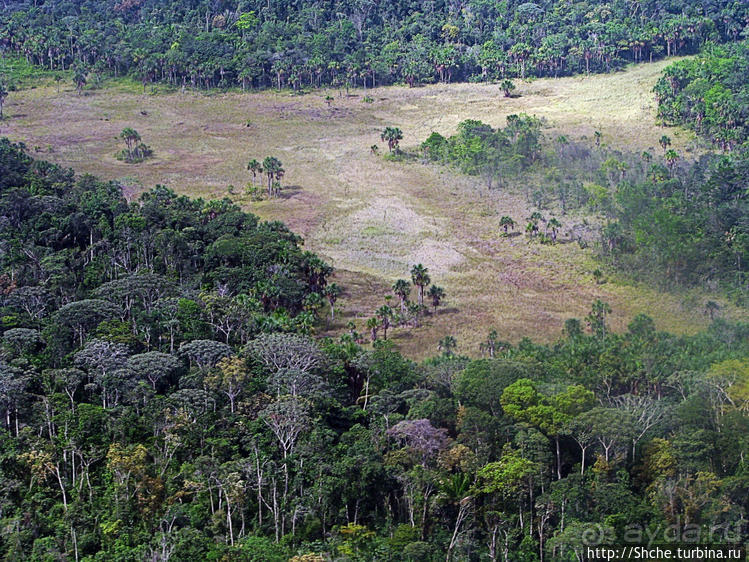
373,219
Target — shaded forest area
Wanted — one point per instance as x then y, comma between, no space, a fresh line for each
222,43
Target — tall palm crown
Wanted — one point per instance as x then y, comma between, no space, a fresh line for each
420,278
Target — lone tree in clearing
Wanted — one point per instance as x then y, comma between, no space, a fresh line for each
507,223
135,150
665,142
131,138
393,135
420,278
507,87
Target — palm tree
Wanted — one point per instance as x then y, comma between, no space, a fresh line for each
507,87
436,294
373,325
532,227
332,292
490,345
447,346
254,167
420,278
647,156
402,290
507,222
598,136
277,184
131,138
271,166
3,95
671,157
554,225
393,135
665,142
385,315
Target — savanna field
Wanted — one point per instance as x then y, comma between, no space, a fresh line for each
373,219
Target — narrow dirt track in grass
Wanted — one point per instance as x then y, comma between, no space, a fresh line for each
371,218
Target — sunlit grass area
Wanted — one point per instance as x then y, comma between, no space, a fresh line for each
369,217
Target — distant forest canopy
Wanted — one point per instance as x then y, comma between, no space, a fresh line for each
709,94
224,43
160,400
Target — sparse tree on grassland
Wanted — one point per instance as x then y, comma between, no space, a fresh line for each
402,290
393,136
436,294
420,278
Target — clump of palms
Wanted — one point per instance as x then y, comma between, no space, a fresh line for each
531,228
274,171
135,150
420,278
554,225
507,223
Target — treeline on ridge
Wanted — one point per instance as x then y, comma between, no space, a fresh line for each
358,43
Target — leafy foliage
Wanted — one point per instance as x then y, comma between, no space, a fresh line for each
284,44
709,94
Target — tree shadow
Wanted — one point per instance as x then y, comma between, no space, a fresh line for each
445,311
290,191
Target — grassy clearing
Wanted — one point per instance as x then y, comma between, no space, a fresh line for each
19,74
373,219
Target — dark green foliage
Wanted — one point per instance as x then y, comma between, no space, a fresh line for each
710,94
478,149
285,44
